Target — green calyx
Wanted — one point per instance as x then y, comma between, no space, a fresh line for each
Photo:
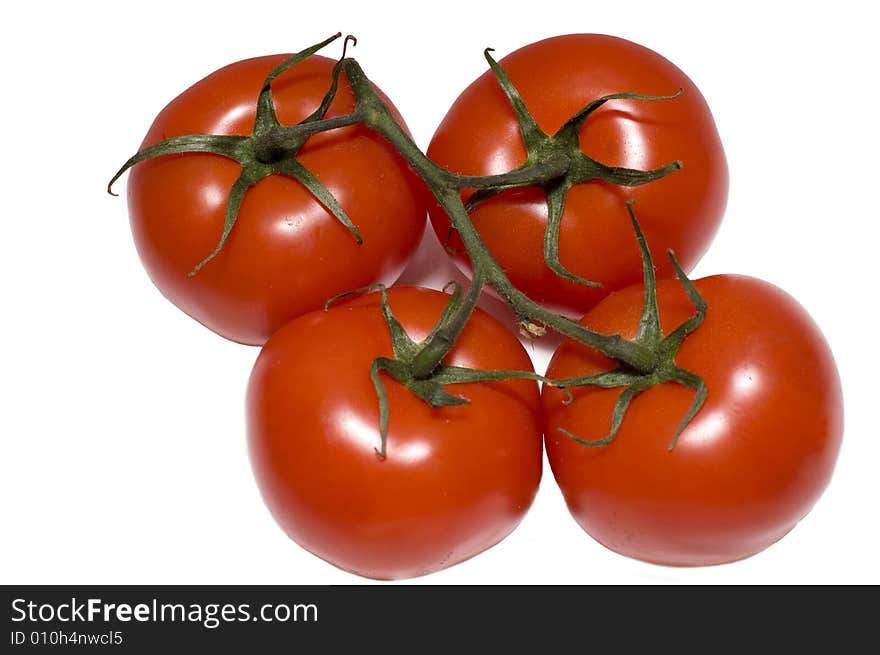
575,167
270,149
409,366
651,336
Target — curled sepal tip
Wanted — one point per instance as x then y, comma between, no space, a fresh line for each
324,107
266,118
528,126
688,379
555,207
573,124
298,57
215,144
349,38
447,242
353,292
628,177
380,364
247,178
620,408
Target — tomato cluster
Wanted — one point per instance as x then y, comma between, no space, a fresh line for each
395,433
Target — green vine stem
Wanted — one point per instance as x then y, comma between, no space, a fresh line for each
554,163
445,187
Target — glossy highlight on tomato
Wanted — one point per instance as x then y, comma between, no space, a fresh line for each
751,463
556,78
286,254
455,481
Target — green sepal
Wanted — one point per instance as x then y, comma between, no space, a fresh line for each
573,125
270,149
618,377
402,346
580,169
352,292
232,147
324,107
649,323
266,118
555,206
381,364
620,408
528,126
678,335
688,379
649,334
292,168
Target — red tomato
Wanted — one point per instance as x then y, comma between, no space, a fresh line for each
748,467
286,254
455,481
556,78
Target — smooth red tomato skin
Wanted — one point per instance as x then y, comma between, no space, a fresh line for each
286,254
748,467
556,78
455,481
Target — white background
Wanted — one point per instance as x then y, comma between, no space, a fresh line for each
123,452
